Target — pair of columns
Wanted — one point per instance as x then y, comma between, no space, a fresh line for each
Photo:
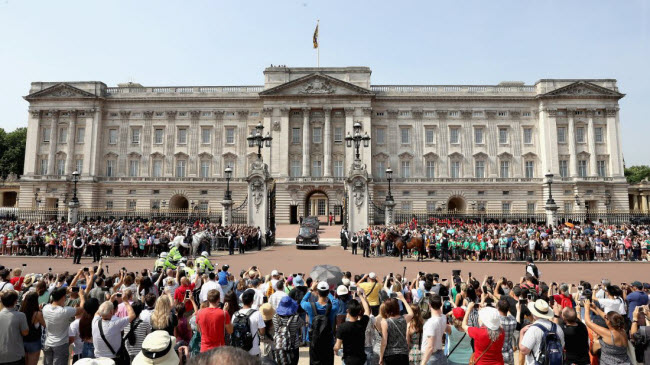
590,139
307,140
640,202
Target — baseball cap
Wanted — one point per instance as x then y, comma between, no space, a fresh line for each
345,281
372,275
637,284
274,272
323,286
342,290
458,312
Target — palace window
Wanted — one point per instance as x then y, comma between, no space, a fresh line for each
505,207
60,167
582,168
502,114
203,205
598,134
81,134
407,206
380,135
405,169
455,169
561,134
205,168
296,168
63,135
405,134
529,167
109,204
429,136
478,135
157,168
317,135
530,207
454,136
503,135
110,168
182,136
580,134
504,168
380,169
131,204
564,168
528,135
230,135
431,169
338,134
46,134
205,135
112,136
479,169
431,207
158,136
180,168
602,168
338,168
295,135
568,207
317,168
79,164
134,168
43,167
135,135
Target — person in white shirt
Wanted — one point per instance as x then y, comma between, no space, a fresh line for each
276,297
614,301
209,285
57,322
4,281
111,327
433,331
256,322
531,337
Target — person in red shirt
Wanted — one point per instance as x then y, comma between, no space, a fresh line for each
489,338
179,294
213,322
17,279
563,298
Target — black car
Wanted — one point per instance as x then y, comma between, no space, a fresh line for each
311,221
307,237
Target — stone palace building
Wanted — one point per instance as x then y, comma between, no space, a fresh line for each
456,147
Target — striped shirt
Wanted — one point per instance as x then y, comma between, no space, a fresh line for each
141,331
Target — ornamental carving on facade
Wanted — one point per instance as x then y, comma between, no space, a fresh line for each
276,126
580,91
257,191
358,193
267,112
195,113
63,93
417,113
148,114
125,113
318,86
171,114
35,113
611,112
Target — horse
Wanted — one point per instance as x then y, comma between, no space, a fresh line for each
415,242
197,239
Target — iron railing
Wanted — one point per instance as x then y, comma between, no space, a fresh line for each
240,214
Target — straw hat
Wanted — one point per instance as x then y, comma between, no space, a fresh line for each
490,318
540,309
98,361
158,349
267,311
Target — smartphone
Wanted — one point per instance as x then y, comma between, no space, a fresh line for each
455,273
551,301
490,278
24,265
86,269
445,280
470,274
353,288
187,294
427,294
49,269
580,288
119,295
390,275
75,289
529,297
485,290
393,295
445,299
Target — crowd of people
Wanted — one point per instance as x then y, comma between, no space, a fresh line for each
474,241
121,238
249,317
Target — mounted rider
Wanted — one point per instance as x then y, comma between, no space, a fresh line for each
203,263
406,236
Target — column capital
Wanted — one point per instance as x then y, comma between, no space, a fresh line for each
194,114
490,114
611,112
284,111
349,112
327,110
171,114
392,113
267,112
442,114
466,114
243,114
306,109
72,113
590,113
417,113
125,114
551,112
148,114
514,113
570,112
366,112
218,114
54,114
35,113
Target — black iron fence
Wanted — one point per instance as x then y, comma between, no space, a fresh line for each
377,214
240,214
46,215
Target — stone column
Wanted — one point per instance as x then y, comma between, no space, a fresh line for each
54,131
591,139
194,140
349,128
284,142
170,143
72,132
492,143
327,142
32,163
226,213
306,142
644,203
269,152
147,143
219,140
467,143
73,212
613,143
123,143
357,189
635,201
92,145
258,186
551,214
389,207
573,167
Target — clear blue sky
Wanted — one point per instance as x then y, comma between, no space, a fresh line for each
408,42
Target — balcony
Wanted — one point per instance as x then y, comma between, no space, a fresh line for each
456,90
125,92
417,180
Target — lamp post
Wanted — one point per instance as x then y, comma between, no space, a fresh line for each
551,207
389,177
75,180
257,140
549,181
73,206
356,139
389,205
228,173
226,214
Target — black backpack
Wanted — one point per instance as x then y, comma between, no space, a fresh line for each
320,331
241,334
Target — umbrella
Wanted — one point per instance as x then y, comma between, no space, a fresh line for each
569,224
329,273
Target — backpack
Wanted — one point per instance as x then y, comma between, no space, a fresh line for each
241,334
423,304
281,339
550,350
320,331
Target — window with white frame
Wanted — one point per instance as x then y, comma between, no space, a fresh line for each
405,135
528,135
295,135
530,207
564,168
431,207
602,168
405,168
60,167
582,168
81,134
206,135
504,168
43,167
157,168
568,207
109,204
479,169
204,171
317,135
580,134
503,135
110,167
182,136
338,134
529,169
430,168
135,135
78,165
380,135
134,168
131,204
454,169
338,168
296,167
407,206
230,135
181,166
112,136
380,169
478,135
454,135
598,135
63,135
203,205
429,136
317,168
505,207
561,134
158,136
46,132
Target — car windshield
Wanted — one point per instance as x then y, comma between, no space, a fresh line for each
306,231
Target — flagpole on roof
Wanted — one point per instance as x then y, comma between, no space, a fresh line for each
318,47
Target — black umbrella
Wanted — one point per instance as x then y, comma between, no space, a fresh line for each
328,273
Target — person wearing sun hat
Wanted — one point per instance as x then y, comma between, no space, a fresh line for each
157,349
287,320
488,338
531,336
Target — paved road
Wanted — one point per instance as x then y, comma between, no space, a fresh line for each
288,259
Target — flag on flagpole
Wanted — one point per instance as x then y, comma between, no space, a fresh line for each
316,36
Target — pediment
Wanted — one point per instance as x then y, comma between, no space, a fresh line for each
405,155
61,91
430,156
583,89
381,156
316,84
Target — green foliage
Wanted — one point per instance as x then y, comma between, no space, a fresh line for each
635,174
12,151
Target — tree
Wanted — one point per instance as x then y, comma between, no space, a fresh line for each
12,151
635,174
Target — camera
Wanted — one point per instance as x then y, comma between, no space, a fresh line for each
529,297
353,288
119,295
393,295
456,273
86,269
187,294
75,289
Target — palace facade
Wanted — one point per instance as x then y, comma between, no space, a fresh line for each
457,147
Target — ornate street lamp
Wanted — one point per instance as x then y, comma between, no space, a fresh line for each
75,180
549,181
389,177
228,173
357,138
577,198
256,139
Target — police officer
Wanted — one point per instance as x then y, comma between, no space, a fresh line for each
203,263
160,262
366,245
174,253
78,246
344,238
355,242
231,243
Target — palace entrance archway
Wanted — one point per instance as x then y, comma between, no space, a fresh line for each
178,202
317,204
456,204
